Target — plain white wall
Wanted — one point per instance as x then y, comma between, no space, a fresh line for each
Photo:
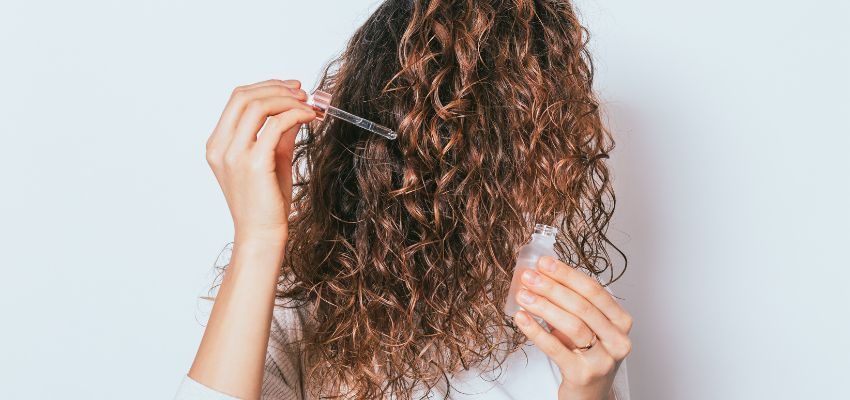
731,176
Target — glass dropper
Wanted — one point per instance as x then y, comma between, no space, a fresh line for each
321,101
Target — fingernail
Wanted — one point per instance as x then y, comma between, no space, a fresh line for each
521,319
526,297
548,264
531,278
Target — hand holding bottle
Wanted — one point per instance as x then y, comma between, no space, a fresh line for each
589,336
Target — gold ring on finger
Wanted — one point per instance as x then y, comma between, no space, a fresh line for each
589,345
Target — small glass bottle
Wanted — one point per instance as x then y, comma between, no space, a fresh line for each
542,244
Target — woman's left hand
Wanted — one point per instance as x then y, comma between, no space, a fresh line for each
576,307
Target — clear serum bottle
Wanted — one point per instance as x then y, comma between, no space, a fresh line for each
542,243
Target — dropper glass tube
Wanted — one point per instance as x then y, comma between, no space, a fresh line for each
321,101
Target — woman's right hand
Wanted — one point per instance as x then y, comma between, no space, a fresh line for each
254,166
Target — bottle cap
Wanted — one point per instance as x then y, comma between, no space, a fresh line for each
545,230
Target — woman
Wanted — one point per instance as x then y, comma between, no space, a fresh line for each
391,259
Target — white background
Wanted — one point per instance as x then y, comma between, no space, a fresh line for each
731,120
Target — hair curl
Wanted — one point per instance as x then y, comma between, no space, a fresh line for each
404,249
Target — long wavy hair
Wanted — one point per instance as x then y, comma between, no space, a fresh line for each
404,249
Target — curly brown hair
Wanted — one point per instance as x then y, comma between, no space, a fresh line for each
404,249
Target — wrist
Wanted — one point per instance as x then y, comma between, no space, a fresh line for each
259,250
262,238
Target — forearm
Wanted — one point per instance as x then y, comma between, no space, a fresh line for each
232,352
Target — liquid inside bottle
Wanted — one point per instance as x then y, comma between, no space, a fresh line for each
542,243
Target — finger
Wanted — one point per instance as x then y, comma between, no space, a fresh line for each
292,83
239,100
243,95
575,305
284,127
256,113
577,365
578,333
546,342
588,288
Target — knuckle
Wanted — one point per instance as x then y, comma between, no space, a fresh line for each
238,100
627,347
292,105
604,366
213,157
628,322
276,120
231,159
238,92
287,87
622,349
531,332
255,106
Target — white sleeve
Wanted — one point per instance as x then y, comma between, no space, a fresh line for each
191,389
